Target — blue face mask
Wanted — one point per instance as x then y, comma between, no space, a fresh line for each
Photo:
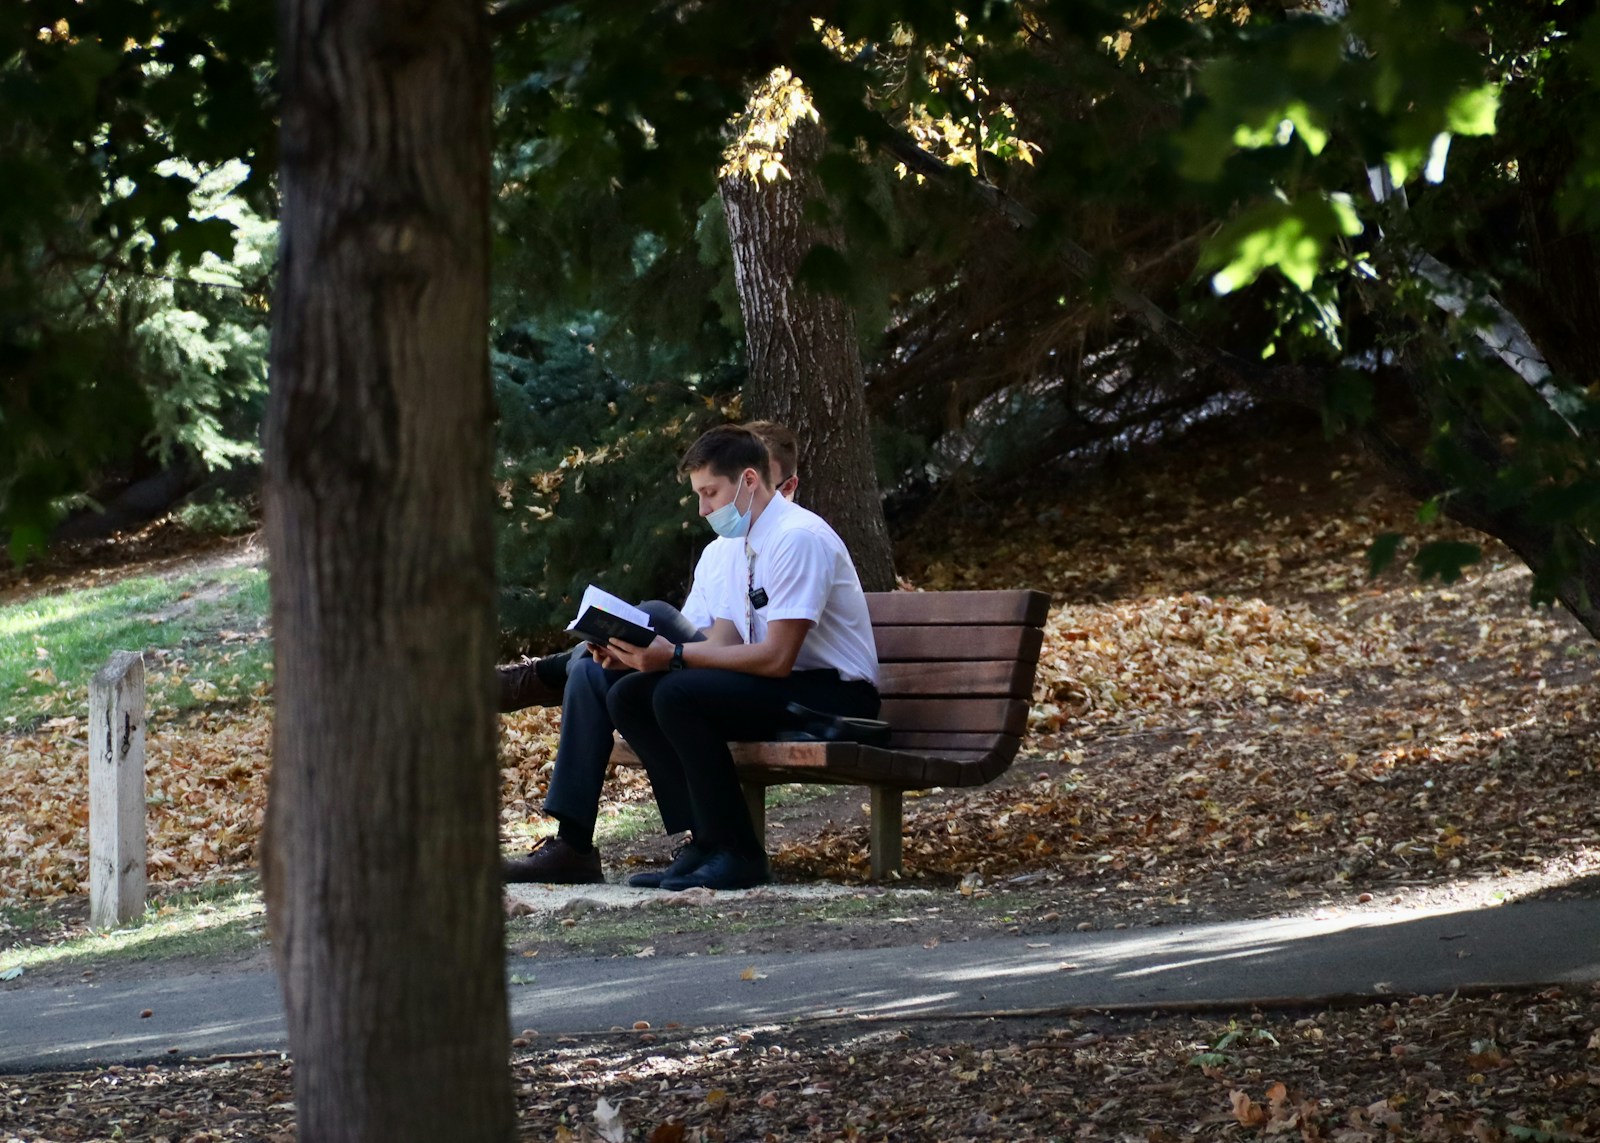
727,521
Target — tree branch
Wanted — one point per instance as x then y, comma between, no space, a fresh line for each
513,14
1294,383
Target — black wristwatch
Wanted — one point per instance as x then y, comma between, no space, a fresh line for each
677,658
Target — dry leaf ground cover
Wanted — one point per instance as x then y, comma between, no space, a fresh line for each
1229,718
1433,1069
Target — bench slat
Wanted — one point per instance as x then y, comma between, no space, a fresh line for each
794,755
957,644
961,608
996,715
872,767
1002,678
948,772
935,742
812,756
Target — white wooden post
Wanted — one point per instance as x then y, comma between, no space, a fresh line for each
116,791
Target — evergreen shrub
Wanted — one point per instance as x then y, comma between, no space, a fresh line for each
586,479
218,515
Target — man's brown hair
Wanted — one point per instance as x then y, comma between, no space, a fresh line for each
781,445
727,451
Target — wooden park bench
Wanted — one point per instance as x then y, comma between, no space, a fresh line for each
956,674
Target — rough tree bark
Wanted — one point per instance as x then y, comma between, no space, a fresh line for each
379,855
805,367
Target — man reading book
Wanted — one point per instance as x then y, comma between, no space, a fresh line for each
791,627
543,681
580,681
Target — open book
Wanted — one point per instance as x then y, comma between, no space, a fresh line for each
603,617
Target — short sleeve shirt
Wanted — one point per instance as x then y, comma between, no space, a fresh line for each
805,572
715,576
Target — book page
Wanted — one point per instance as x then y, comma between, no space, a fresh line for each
603,600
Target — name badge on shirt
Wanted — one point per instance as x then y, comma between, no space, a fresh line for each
758,598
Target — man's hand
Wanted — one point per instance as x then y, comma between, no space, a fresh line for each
607,658
655,657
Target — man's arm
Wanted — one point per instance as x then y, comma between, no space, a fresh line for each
771,658
722,633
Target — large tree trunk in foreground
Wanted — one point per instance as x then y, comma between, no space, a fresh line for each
380,849
805,367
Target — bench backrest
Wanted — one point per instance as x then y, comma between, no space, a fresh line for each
956,671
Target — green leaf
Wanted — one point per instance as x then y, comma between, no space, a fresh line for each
1429,511
1473,112
1381,554
1288,236
1403,162
1272,131
1311,132
1445,559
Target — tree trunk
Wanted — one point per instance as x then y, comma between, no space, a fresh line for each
379,854
805,367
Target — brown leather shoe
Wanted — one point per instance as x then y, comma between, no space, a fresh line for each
555,862
529,684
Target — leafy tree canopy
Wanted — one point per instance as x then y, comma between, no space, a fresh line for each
1064,222
137,151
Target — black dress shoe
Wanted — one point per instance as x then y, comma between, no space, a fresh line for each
554,861
724,869
685,859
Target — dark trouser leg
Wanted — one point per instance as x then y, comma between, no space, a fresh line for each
631,704
680,724
669,621
573,798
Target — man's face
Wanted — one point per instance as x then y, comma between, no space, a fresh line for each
714,491
783,486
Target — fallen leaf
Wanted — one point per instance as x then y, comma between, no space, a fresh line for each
608,1121
1246,1110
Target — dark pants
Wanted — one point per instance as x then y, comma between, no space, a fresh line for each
680,724
586,728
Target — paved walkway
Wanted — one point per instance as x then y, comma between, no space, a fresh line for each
1362,952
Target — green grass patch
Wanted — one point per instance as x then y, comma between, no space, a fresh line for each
204,638
219,919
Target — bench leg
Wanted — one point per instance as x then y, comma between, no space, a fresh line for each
885,832
755,800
